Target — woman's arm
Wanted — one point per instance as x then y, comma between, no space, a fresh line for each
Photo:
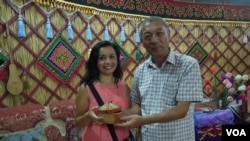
84,115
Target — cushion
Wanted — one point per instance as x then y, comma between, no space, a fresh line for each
209,118
25,116
63,109
33,134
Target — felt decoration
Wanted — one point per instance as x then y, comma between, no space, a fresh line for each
245,39
88,33
138,54
49,30
137,36
106,34
60,61
70,31
124,56
198,52
20,27
122,35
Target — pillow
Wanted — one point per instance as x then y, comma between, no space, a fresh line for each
33,134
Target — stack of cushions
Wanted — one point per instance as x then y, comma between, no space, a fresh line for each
208,124
23,123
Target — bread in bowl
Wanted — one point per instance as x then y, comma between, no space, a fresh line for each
110,112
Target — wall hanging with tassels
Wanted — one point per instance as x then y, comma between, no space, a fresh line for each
137,35
122,35
48,29
137,40
20,26
106,34
138,54
20,22
88,33
70,31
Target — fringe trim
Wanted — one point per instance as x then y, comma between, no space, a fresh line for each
125,16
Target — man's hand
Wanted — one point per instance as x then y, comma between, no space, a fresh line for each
132,121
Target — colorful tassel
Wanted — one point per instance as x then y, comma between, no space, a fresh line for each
88,33
122,35
106,34
138,54
137,36
245,39
70,31
49,30
20,27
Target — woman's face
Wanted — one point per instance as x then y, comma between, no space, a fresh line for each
107,60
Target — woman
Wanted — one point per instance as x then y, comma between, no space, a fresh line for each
104,71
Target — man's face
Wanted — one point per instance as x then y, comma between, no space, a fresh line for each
155,38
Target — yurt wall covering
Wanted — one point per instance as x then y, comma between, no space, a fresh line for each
223,44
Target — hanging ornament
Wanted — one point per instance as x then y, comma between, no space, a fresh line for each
138,54
20,27
245,39
137,36
106,34
88,33
122,35
49,30
70,31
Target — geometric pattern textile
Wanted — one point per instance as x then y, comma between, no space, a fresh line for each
3,63
198,52
124,55
60,60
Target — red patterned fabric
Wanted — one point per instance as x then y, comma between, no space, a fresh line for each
63,109
21,117
25,117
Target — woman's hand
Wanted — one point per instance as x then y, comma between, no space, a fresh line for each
94,117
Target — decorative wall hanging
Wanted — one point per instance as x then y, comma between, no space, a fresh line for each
60,60
48,29
138,54
70,31
137,35
106,34
197,51
88,33
20,27
225,11
124,57
3,63
122,34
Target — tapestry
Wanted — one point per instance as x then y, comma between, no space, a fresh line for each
4,59
60,60
124,56
166,9
198,52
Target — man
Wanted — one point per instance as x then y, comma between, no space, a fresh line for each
164,89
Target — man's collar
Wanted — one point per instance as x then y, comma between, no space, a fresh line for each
170,59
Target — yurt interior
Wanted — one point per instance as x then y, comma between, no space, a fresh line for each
45,44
